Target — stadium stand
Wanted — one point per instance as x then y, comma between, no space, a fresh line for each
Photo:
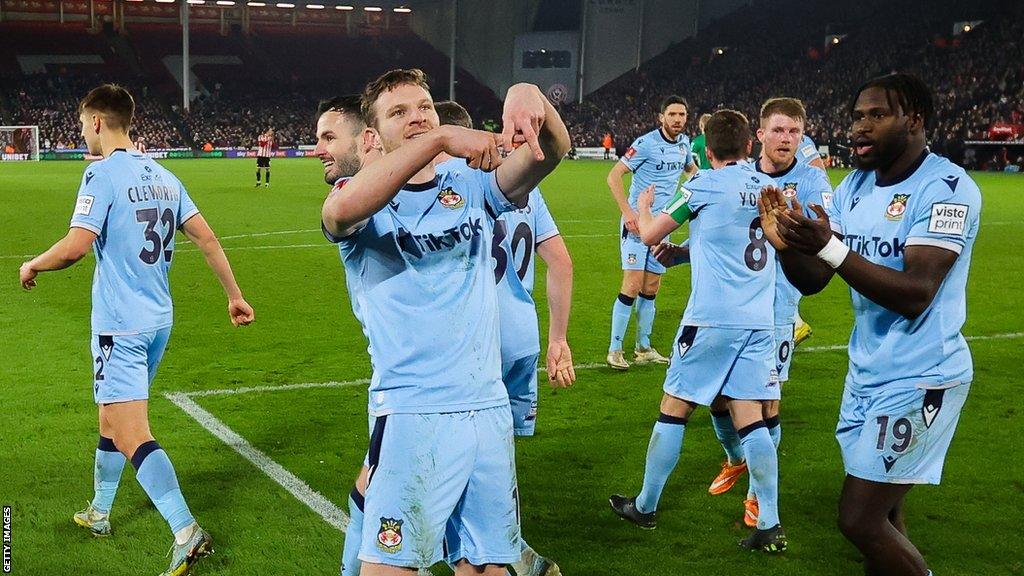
977,76
247,83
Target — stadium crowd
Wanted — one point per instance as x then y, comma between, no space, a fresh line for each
230,118
50,101
978,77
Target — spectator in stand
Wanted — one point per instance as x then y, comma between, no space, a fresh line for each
978,79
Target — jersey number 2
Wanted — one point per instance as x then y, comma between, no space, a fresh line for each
151,217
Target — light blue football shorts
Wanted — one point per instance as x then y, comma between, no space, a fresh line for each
899,436
520,378
432,472
708,361
124,365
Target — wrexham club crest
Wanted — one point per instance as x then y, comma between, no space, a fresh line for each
894,211
789,189
450,199
389,537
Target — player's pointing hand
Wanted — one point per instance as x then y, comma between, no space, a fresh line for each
524,114
479,148
646,199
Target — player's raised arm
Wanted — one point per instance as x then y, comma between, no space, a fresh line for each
200,233
559,290
347,209
907,292
691,168
528,112
65,252
654,228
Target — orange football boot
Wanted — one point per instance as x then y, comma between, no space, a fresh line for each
750,512
727,477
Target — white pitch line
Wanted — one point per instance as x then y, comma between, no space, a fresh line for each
324,244
315,501
260,234
290,482
274,388
834,347
589,366
308,385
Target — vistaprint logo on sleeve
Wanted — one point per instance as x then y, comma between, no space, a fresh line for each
948,218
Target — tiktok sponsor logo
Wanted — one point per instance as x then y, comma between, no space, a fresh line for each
872,246
441,240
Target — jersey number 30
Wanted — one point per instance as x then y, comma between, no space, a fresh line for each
522,235
151,217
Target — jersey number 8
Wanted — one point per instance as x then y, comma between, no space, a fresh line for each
758,245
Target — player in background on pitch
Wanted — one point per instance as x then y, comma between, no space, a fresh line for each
899,230
343,145
725,343
700,155
807,154
128,210
658,158
517,236
416,240
265,149
782,122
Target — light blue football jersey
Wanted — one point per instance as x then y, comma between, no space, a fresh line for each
807,184
808,151
421,279
733,265
654,159
516,236
134,206
935,203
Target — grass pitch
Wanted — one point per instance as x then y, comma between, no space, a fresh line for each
591,439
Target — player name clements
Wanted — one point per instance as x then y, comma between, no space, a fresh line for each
152,192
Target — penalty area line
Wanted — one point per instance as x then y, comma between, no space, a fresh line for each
316,501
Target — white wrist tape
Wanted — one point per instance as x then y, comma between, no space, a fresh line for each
834,252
